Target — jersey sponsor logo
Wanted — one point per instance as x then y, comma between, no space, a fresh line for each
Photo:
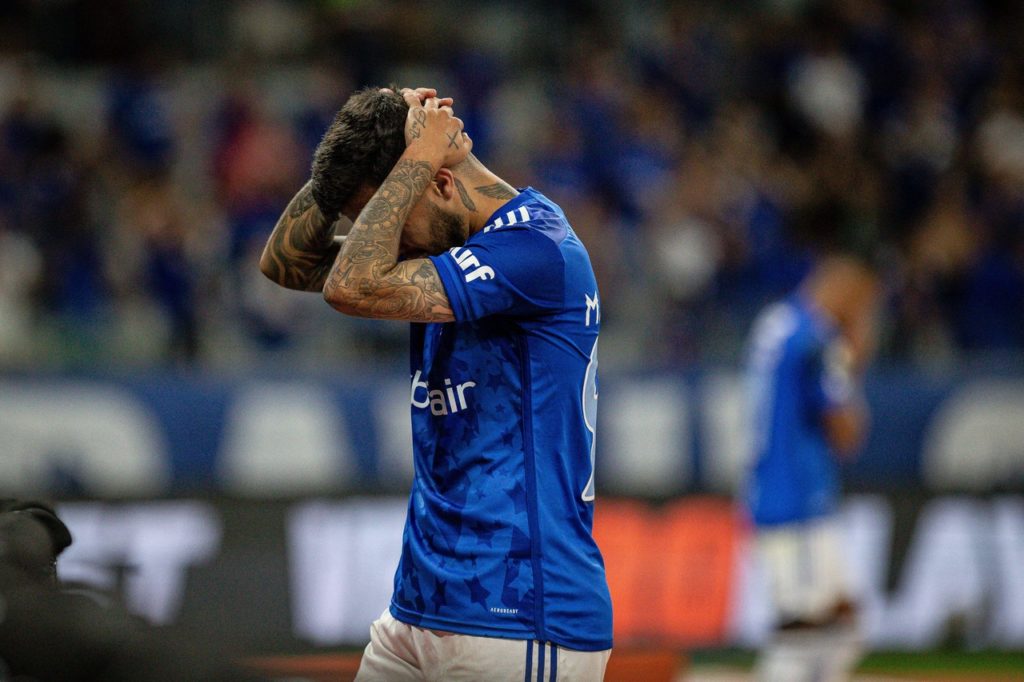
466,260
449,400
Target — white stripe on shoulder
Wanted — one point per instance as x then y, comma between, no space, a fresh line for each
514,217
494,226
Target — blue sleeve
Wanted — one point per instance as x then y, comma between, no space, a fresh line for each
828,380
512,271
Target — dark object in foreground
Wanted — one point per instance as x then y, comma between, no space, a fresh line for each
54,634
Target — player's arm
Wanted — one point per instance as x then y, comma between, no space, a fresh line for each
844,415
366,279
301,249
845,428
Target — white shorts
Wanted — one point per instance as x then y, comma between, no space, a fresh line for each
805,568
398,652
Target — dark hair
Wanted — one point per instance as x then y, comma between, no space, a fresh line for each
363,144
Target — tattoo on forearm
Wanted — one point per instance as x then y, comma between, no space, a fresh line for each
367,264
499,190
300,250
464,195
301,202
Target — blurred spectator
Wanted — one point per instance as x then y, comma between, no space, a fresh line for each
684,139
139,124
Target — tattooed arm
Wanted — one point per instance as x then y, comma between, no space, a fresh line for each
367,280
301,249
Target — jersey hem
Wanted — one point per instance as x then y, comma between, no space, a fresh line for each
433,623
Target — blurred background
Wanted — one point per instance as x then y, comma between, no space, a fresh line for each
217,440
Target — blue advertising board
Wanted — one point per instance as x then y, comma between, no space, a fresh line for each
658,435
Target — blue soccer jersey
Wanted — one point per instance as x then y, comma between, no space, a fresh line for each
498,538
796,374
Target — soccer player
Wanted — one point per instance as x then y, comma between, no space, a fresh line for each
500,577
807,355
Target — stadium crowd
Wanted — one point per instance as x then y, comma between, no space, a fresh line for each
701,150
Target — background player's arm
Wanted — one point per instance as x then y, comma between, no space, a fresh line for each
301,249
367,280
845,419
845,428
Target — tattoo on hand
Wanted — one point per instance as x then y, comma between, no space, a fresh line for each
453,140
419,122
367,264
464,195
499,190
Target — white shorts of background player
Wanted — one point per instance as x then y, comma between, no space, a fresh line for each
806,570
808,578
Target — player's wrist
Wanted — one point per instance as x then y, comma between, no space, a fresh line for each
419,151
323,200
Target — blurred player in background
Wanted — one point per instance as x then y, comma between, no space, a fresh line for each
500,577
806,359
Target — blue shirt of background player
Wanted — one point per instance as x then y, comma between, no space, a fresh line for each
794,377
498,537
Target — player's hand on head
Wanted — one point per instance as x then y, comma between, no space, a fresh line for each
426,93
433,127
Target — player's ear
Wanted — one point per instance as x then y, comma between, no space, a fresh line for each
444,184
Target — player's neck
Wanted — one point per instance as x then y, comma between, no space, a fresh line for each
485,192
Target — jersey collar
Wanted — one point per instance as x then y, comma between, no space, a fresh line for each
510,212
